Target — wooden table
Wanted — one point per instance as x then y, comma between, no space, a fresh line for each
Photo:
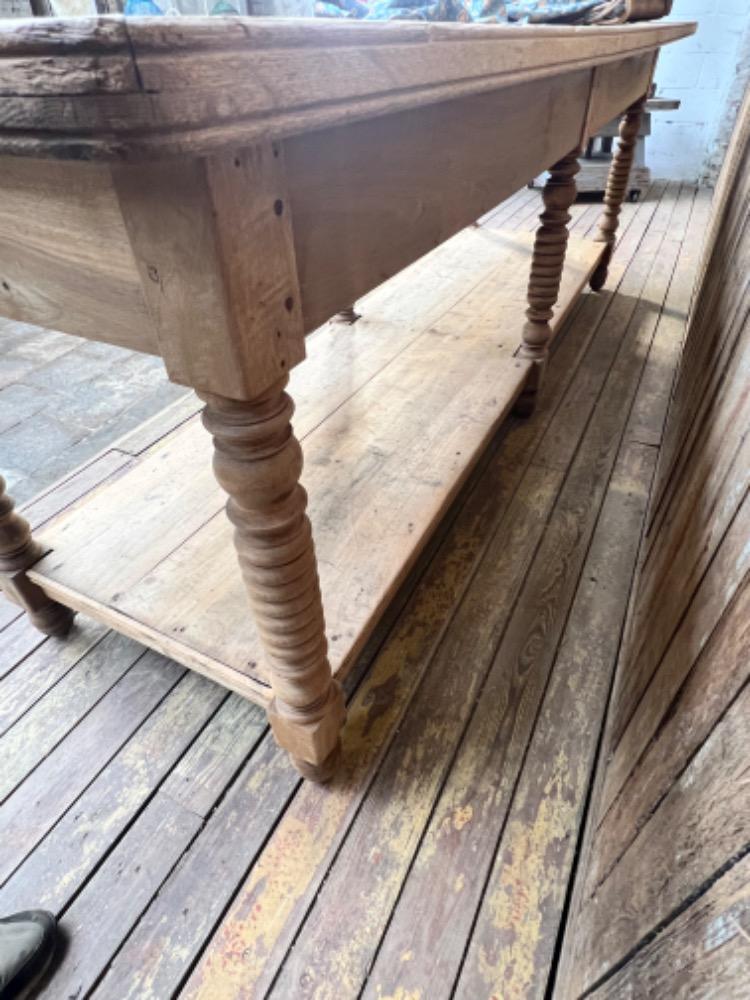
212,191
597,156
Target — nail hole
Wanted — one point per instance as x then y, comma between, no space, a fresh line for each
6,286
237,161
289,303
276,151
283,363
278,206
278,334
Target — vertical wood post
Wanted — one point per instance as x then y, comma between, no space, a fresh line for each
550,243
617,186
18,551
258,461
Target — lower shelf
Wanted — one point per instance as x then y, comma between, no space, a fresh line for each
393,412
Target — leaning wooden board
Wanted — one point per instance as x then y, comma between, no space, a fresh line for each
211,191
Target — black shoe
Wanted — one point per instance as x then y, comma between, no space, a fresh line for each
27,944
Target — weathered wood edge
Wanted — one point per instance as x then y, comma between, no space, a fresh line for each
82,67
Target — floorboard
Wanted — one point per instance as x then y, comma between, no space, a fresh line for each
151,810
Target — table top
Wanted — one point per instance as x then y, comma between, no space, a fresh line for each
127,89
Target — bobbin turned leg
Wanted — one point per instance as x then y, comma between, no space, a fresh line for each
546,271
18,551
617,186
258,461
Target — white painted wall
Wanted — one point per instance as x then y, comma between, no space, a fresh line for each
704,72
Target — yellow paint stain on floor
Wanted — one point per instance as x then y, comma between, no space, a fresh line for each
283,874
462,816
401,994
287,871
516,902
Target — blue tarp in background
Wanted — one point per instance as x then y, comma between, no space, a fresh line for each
480,11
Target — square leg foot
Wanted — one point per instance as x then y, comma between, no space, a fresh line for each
314,744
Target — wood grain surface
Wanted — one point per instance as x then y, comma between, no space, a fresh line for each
661,894
167,804
190,85
385,448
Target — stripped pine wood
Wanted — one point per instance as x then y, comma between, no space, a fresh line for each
501,216
617,183
394,493
188,829
185,217
332,208
63,494
161,424
232,324
550,243
191,242
18,551
71,277
162,969
272,78
284,175
258,461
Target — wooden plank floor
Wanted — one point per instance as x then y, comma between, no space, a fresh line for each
152,812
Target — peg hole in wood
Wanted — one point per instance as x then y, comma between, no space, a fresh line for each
278,206
289,303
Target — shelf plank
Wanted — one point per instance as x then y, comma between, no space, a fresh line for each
393,413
